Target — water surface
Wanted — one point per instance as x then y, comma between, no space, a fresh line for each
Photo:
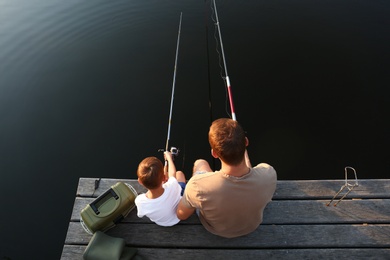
85,90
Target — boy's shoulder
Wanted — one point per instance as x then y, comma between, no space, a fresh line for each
171,180
140,198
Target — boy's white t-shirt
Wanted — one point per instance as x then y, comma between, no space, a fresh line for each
161,210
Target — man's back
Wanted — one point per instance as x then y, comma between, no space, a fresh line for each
231,206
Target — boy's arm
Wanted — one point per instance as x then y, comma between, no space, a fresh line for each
171,164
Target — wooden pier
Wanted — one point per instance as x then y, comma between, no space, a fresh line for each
297,225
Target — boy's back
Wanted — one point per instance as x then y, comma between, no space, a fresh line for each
160,202
161,210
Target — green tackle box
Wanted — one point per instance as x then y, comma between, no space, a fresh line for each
109,208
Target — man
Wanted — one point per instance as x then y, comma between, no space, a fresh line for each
229,202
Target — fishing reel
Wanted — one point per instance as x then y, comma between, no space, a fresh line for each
174,151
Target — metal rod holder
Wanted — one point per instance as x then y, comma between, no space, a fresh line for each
346,185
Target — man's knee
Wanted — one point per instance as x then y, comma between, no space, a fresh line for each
201,165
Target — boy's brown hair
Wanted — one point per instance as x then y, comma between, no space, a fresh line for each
227,139
151,172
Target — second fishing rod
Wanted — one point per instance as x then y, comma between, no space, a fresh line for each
227,80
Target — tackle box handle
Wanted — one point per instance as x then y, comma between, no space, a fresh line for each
103,196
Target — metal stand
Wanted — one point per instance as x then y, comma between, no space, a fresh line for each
347,185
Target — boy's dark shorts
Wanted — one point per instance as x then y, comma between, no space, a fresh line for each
183,186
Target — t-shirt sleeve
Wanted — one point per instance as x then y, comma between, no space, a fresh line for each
171,181
267,170
173,185
269,176
189,198
138,202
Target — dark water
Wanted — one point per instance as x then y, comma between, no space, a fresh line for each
85,90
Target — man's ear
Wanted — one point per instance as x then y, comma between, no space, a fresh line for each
214,154
246,141
140,182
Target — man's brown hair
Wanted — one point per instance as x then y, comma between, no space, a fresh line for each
151,172
227,139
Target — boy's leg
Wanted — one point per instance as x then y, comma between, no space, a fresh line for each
201,166
180,176
181,179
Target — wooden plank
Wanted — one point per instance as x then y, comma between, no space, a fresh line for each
86,187
326,189
295,212
373,211
300,189
266,236
72,252
76,252
297,225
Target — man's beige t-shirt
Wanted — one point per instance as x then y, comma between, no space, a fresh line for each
231,206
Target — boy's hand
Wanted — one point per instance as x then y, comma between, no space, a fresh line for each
168,156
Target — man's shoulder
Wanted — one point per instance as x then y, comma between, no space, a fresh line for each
264,169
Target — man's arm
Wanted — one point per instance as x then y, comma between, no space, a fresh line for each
247,161
183,212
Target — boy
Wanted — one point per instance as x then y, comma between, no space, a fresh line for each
159,203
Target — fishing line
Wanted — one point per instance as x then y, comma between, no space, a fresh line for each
217,41
208,69
184,156
219,58
208,62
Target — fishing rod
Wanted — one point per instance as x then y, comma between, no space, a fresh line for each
224,64
174,150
